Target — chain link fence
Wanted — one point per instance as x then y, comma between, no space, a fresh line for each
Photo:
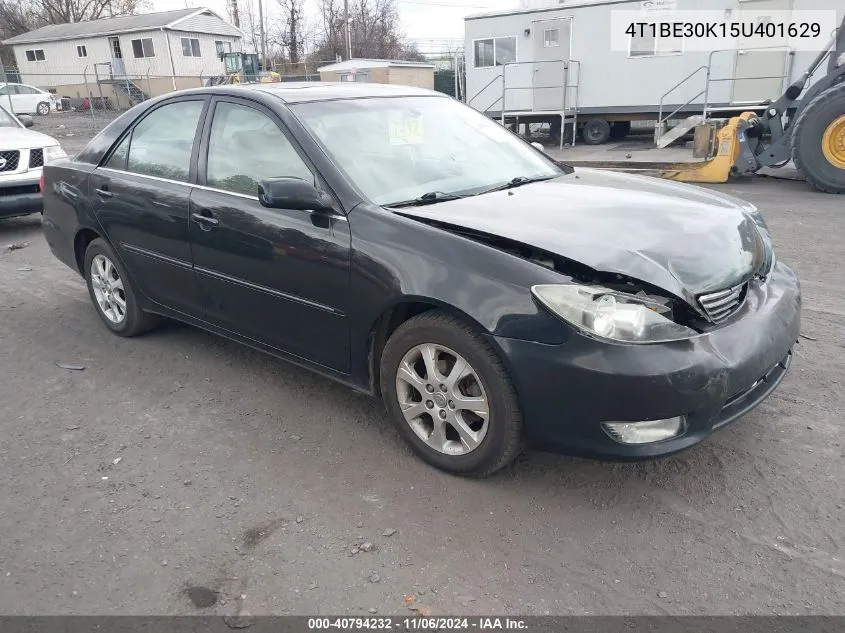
95,97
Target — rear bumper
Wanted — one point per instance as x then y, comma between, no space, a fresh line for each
566,391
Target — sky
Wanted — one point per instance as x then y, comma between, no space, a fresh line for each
431,23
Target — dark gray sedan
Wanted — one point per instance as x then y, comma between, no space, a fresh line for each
402,243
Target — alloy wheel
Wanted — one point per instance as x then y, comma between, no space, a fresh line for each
108,289
43,109
442,399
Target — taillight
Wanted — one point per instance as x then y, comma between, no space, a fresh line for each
41,183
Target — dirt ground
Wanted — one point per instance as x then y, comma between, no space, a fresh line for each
179,470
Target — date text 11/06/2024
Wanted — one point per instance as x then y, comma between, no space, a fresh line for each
418,624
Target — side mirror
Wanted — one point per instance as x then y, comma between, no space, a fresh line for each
26,120
292,193
538,147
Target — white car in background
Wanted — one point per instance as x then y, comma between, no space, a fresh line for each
23,154
24,99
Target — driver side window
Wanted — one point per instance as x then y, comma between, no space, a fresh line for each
246,146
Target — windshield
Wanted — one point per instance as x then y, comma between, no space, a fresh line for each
398,149
6,119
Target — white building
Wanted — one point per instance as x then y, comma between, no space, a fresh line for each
157,52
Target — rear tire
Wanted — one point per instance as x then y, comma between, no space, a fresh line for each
596,132
807,151
112,293
499,436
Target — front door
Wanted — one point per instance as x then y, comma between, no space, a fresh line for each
118,69
758,73
142,194
551,54
276,276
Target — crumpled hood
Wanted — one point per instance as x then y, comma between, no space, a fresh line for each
21,138
686,240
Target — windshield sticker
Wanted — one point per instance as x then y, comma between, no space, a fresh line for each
407,131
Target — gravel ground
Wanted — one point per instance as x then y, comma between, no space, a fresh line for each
179,470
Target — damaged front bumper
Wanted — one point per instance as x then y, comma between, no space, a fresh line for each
567,391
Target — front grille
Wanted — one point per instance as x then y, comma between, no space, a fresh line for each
36,158
10,160
19,190
718,306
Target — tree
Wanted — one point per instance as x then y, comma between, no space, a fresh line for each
292,28
21,16
374,29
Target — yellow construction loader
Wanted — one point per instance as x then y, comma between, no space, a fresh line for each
242,68
808,129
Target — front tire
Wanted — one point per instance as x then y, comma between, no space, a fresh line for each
450,395
818,141
43,108
112,293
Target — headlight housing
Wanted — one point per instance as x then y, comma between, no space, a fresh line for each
53,152
611,314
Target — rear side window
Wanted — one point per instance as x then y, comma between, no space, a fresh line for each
117,160
245,147
162,143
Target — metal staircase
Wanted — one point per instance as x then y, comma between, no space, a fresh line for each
664,137
494,95
131,90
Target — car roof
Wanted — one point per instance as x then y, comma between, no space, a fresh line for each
300,91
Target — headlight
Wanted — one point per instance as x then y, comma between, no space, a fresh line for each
53,152
612,315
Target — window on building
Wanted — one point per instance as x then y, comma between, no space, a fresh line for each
191,47
648,43
221,47
551,37
81,51
162,142
35,55
143,48
244,147
494,51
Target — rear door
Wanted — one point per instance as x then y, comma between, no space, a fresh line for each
20,101
277,276
141,195
30,98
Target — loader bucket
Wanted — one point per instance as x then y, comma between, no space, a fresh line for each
729,140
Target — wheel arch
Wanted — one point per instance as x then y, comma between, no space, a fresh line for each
397,313
81,240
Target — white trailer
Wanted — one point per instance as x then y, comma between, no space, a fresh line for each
555,64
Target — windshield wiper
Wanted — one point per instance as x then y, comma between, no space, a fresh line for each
427,198
516,182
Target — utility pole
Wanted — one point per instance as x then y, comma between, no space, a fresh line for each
348,35
261,35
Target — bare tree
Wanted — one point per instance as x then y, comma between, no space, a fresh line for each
374,27
292,28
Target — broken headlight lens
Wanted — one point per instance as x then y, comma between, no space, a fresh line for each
613,315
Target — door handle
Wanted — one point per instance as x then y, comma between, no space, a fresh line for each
104,193
206,222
